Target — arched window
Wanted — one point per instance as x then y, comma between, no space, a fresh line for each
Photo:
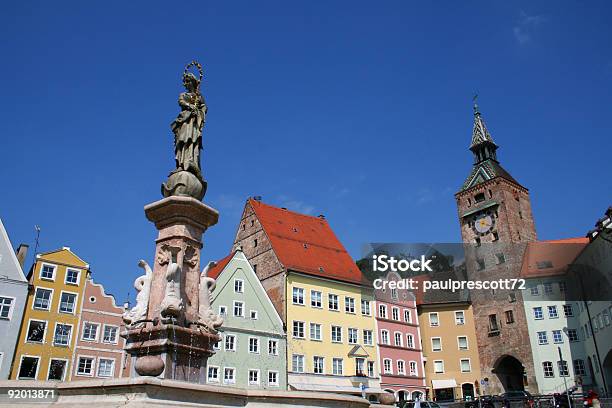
413,368
410,341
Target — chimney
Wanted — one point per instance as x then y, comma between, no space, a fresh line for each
22,253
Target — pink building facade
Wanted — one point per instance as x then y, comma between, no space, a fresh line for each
99,348
399,342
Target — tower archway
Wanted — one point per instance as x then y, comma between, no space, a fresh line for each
510,372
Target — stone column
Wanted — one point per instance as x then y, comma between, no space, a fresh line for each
171,343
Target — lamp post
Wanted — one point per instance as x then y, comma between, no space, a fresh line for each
569,401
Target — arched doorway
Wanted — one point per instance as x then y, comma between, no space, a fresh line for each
467,390
417,395
510,373
403,395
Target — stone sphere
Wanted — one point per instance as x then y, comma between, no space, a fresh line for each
386,398
184,183
151,366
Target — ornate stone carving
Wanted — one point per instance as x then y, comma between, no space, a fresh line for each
191,256
143,285
207,317
172,305
186,179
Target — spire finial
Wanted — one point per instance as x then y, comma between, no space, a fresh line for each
474,99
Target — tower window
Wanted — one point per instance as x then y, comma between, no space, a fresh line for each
495,236
477,240
479,197
490,194
469,202
255,242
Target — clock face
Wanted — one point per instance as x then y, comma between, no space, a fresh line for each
483,223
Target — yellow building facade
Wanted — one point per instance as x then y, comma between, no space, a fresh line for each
452,365
331,336
51,317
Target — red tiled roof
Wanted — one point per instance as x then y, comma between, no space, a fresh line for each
214,271
550,258
307,244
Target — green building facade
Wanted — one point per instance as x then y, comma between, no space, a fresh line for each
252,350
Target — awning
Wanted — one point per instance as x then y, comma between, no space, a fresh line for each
438,384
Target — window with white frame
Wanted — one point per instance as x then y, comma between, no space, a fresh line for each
465,365
537,313
462,342
90,331
336,334
253,345
368,338
436,344
572,334
557,336
222,311
332,301
28,367
365,307
254,315
337,366
85,366
352,336
370,367
407,316
547,367
318,365
67,302
438,366
298,296
110,335
382,311
42,298
238,286
413,368
315,331
273,347
563,369
398,339
401,367
57,369
62,334
542,337
384,337
273,378
6,307
297,363
298,329
394,294
535,291
387,366
47,272
213,374
395,313
433,319
459,317
229,375
349,304
106,367
238,309
253,377
410,341
36,331
72,276
315,299
562,287
568,311
230,342
552,312
548,289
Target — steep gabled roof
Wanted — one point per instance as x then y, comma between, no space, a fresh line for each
215,270
306,244
9,265
485,171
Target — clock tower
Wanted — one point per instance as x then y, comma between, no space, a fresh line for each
492,205
496,225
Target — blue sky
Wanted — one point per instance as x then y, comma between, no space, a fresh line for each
357,110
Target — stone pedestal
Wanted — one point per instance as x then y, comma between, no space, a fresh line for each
174,346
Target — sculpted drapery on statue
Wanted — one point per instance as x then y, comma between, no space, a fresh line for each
187,179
